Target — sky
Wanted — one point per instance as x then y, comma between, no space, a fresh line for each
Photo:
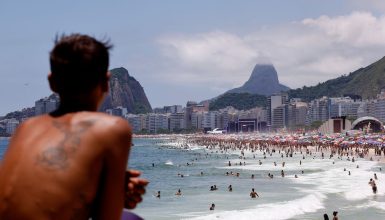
181,50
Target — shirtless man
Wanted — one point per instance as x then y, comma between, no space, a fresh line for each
253,194
71,164
372,183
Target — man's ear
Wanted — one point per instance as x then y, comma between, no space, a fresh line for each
106,83
52,83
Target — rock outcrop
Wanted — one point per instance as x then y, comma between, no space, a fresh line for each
263,81
127,92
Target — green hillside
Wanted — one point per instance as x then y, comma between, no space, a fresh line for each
366,82
241,101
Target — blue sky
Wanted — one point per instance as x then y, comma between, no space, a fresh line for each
192,49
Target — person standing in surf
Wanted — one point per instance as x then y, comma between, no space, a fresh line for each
335,217
253,194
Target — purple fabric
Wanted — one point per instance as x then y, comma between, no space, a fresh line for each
126,215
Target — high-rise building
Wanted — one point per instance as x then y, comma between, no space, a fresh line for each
177,122
46,105
155,122
318,110
279,102
279,117
210,120
297,111
172,109
191,107
196,120
300,113
117,111
137,122
11,125
344,107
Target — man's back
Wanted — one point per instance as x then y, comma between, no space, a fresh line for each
65,167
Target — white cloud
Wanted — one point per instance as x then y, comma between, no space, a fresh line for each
304,52
359,29
209,57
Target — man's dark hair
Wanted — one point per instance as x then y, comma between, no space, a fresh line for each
78,63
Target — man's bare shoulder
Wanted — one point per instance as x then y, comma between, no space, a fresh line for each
110,128
105,122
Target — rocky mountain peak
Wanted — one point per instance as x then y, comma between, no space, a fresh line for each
263,81
126,91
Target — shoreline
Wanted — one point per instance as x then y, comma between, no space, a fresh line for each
368,146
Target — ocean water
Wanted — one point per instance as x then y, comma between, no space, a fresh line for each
322,188
3,146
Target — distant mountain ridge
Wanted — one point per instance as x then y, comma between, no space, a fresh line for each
263,81
126,91
365,82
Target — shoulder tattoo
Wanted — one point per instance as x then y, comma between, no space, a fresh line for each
57,156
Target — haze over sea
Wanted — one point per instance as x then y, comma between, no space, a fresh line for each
323,188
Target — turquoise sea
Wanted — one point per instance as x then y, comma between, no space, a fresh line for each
323,187
3,146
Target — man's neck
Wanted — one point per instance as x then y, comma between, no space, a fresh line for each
73,107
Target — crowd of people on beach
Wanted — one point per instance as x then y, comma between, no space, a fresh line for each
285,146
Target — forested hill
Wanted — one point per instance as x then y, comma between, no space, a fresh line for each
241,101
365,82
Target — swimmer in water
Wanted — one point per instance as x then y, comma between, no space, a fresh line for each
372,183
374,188
335,215
212,207
253,194
178,193
158,195
230,188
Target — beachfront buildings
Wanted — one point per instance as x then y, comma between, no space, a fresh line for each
279,114
11,125
46,105
318,110
277,110
344,106
297,111
192,107
177,122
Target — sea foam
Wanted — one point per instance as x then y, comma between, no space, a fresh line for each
169,162
273,211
